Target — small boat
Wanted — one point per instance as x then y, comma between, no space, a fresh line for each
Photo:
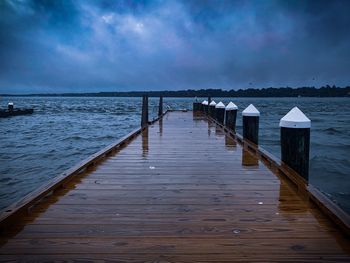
11,111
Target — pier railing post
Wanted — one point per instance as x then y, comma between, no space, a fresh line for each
160,108
212,112
144,116
201,107
295,141
231,116
205,106
220,112
209,101
251,124
196,105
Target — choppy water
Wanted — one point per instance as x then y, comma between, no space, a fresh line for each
64,131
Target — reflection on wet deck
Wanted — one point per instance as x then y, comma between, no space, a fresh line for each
248,159
183,190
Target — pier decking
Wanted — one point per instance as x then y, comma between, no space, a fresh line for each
181,191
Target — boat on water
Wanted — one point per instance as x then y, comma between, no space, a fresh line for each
11,111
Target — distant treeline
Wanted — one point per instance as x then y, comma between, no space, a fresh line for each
326,91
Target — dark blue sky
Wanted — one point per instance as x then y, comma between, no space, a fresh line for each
83,46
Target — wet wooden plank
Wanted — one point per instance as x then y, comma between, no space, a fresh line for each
170,245
181,191
184,229
170,258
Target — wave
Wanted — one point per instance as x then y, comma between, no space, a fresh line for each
332,131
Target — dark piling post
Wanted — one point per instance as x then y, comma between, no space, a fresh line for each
295,141
10,106
144,117
160,108
209,101
220,112
196,105
231,116
251,124
205,106
212,111
201,107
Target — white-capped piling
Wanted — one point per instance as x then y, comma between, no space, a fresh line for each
10,106
205,106
196,105
231,116
295,141
209,101
251,124
220,112
212,111
144,115
201,106
160,108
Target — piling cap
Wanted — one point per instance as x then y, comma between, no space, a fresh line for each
231,106
205,102
10,103
251,111
296,119
213,103
220,105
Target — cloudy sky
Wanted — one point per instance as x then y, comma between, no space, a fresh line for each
91,45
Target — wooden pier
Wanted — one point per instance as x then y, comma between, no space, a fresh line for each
182,189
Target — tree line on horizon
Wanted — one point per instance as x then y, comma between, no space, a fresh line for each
326,91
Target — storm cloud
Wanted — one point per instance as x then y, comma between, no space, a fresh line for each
83,46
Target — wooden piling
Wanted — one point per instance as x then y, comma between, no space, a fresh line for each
231,116
251,124
205,106
196,105
212,111
201,107
220,112
295,141
160,108
144,116
209,101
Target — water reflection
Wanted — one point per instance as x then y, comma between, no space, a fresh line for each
248,159
160,125
211,127
197,115
230,143
219,131
145,147
287,203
